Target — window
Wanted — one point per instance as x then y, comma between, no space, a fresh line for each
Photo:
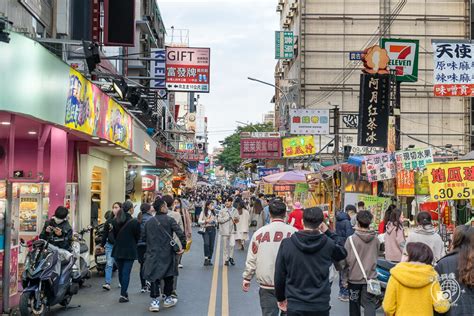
38,28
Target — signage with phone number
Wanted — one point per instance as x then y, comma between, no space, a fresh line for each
451,181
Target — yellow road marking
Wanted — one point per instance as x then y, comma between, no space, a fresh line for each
225,291
215,278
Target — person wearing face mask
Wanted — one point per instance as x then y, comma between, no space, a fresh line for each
108,241
57,230
208,223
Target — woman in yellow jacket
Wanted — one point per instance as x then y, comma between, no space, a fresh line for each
413,287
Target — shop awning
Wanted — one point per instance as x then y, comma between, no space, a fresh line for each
287,177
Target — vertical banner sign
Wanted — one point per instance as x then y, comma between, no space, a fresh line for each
298,146
309,122
158,68
284,45
453,69
380,167
413,159
188,69
406,183
422,186
373,110
451,181
403,56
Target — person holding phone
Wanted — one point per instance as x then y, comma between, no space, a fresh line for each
57,230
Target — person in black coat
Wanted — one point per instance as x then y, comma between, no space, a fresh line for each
160,257
302,267
57,230
457,266
126,231
344,229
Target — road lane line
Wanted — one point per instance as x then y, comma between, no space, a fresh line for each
215,278
225,291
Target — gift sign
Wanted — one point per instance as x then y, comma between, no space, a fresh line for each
413,159
380,167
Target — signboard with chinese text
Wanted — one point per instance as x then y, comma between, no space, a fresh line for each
403,56
260,134
453,69
380,167
280,188
158,68
373,110
451,180
309,122
260,148
186,147
406,183
190,156
413,159
422,186
263,172
298,146
284,45
188,69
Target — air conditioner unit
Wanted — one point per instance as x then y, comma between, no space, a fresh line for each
288,21
281,2
279,8
294,6
291,14
286,62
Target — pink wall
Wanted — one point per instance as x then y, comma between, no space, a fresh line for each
58,170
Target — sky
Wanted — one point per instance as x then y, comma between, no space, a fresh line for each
241,35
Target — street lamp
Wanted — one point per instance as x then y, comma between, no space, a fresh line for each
247,124
281,91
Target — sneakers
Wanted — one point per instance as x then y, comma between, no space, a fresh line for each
144,289
170,302
106,286
123,299
174,294
180,266
232,262
155,305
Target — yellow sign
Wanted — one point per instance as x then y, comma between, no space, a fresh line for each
298,146
118,125
268,188
451,180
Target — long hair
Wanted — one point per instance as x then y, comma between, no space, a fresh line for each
257,206
395,219
206,209
463,242
180,204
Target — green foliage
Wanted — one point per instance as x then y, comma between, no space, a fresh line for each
230,157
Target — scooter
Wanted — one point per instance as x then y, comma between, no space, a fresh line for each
383,272
80,251
99,253
47,279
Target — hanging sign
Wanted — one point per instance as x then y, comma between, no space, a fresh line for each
188,69
301,188
309,122
380,167
403,56
413,159
298,146
260,148
451,180
406,183
284,45
263,172
280,188
373,110
422,186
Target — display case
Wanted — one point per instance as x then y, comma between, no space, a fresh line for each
96,191
31,200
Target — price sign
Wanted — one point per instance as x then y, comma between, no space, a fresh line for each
451,181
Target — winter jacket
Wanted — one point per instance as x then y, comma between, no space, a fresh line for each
108,234
263,251
126,237
367,246
413,289
226,219
160,258
64,241
145,218
428,236
394,242
211,217
447,269
296,216
343,226
302,270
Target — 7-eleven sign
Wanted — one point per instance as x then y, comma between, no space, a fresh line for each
403,56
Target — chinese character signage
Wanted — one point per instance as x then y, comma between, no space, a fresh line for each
185,147
158,68
373,110
380,167
188,69
413,159
422,183
355,55
281,188
260,148
451,181
263,172
403,56
453,69
284,46
298,146
309,122
406,183
190,156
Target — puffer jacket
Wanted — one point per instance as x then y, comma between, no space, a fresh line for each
145,218
343,226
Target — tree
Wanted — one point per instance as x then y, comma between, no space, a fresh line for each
230,157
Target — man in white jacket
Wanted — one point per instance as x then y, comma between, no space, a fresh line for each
228,218
262,255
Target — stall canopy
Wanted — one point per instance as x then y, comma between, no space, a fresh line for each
468,156
287,177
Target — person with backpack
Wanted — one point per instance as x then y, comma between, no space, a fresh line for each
344,230
302,284
126,231
146,212
362,253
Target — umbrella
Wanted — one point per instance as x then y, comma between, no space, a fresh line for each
468,156
287,177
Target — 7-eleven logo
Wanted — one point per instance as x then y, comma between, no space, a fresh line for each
402,57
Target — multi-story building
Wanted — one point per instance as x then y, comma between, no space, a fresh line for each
269,118
322,76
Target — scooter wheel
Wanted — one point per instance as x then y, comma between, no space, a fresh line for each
27,304
66,301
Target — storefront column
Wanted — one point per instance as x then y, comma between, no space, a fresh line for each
58,169
117,182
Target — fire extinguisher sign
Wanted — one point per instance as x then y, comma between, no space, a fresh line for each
403,56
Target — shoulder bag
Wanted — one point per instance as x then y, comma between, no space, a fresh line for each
373,286
172,242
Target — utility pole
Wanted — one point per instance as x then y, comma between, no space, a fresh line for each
336,133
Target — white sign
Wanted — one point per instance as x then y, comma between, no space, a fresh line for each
200,121
260,135
453,69
309,122
158,68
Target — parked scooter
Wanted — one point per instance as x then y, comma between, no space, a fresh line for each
80,251
383,272
99,253
47,279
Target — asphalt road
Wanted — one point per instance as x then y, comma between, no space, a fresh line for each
202,291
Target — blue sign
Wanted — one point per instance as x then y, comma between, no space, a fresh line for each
263,172
355,55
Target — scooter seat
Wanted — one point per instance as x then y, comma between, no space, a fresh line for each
84,248
385,264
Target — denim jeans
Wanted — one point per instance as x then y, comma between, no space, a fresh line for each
124,270
209,238
109,265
